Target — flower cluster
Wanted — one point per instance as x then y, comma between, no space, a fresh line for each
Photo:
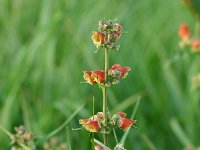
95,123
115,74
108,35
186,39
22,136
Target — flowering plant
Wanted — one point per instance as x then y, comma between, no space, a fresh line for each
107,38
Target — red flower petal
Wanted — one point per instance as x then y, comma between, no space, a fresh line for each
125,123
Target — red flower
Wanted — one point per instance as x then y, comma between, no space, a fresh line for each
92,77
184,31
98,38
195,44
123,70
125,123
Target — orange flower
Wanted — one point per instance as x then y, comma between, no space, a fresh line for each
98,76
93,123
184,31
98,38
123,70
125,123
195,44
92,77
88,78
92,126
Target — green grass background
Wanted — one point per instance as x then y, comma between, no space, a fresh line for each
45,45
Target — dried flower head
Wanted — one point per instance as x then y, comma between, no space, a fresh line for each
22,136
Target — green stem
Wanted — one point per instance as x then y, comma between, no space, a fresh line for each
104,90
24,146
92,141
6,131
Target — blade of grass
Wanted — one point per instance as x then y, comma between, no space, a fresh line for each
62,126
178,131
68,140
127,102
148,142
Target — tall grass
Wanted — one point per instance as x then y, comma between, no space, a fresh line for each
45,45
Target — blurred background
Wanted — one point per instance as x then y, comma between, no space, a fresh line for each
45,45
